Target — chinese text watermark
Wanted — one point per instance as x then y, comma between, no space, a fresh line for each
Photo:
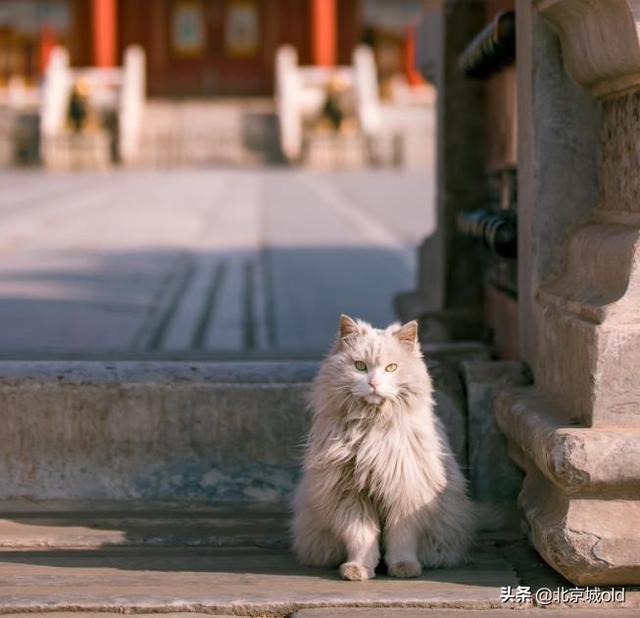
562,595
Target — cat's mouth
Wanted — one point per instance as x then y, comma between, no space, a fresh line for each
374,399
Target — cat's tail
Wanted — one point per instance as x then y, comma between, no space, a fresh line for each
492,516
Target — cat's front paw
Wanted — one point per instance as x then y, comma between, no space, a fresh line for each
355,572
405,568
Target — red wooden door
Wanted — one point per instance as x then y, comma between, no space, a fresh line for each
213,47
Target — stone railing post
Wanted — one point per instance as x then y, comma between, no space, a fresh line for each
366,90
55,93
577,432
288,102
132,100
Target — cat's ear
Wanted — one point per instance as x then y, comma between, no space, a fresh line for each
348,327
408,335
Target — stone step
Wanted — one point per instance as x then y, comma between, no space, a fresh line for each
53,571
129,430
232,131
359,612
414,612
371,612
73,560
74,614
237,580
94,524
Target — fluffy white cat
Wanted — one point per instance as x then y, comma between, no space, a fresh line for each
378,469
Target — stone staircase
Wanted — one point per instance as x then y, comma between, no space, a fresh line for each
244,132
162,487
193,132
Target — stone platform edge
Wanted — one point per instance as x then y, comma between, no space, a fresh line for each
85,373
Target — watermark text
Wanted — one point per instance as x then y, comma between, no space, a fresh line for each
561,595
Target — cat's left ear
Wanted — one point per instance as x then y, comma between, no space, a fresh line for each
347,330
348,327
408,335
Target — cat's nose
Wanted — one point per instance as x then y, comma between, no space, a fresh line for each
373,383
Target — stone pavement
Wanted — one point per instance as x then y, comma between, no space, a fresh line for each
224,559
201,263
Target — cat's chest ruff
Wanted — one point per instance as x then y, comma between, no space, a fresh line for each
388,463
375,453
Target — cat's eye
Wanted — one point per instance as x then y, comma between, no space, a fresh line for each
391,367
360,366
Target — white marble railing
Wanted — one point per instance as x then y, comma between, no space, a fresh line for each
300,94
120,89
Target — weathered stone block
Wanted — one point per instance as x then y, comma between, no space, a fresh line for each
581,493
492,474
454,352
449,398
588,361
152,430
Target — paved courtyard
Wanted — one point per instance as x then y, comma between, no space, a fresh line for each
201,263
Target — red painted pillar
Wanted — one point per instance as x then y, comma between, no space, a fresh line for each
47,43
412,74
323,32
104,18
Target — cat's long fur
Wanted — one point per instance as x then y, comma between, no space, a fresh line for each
378,469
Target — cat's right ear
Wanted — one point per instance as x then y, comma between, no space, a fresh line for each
348,328
408,335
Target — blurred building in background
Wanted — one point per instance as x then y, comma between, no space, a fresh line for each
201,47
196,54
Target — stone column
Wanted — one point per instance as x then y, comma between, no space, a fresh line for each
577,432
449,282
